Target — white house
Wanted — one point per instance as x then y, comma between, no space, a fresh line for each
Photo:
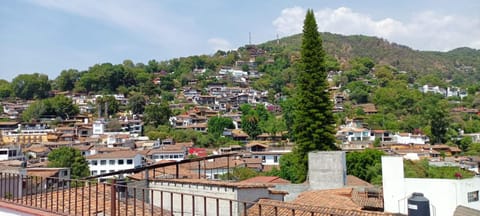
171,152
408,138
11,153
113,161
98,127
444,194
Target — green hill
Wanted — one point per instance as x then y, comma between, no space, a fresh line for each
461,65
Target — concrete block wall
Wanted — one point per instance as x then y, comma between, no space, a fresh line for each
327,170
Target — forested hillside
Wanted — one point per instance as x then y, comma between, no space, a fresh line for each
461,65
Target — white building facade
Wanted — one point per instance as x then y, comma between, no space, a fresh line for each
114,161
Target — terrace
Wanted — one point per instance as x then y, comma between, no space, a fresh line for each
153,192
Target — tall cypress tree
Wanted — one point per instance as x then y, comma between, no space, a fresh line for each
313,123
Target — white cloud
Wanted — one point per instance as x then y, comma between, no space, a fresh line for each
219,44
291,20
427,30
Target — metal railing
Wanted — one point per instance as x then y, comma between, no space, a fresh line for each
90,197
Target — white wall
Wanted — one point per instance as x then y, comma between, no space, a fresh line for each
136,161
444,194
223,193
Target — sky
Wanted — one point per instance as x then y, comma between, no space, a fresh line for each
48,36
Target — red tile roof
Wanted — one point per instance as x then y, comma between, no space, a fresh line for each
266,179
88,200
279,208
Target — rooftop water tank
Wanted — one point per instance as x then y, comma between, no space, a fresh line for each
418,205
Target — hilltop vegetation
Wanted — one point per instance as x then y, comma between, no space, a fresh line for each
461,65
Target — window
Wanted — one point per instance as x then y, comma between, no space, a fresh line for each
129,161
110,171
263,158
94,172
93,162
111,162
103,171
103,162
12,153
120,162
472,196
275,159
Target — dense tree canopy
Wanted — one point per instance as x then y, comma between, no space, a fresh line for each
136,103
56,107
31,86
217,124
5,89
157,114
71,158
366,165
67,79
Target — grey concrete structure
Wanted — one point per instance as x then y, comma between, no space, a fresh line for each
327,170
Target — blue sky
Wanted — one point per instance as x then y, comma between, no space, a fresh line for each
48,36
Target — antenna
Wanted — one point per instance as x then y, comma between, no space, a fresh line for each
249,38
278,40
106,109
99,106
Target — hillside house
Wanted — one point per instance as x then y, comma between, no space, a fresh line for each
114,161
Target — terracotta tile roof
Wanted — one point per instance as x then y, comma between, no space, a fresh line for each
37,149
353,181
86,202
251,144
115,154
166,148
334,198
43,172
185,171
83,147
8,123
370,199
111,149
216,183
285,209
266,179
221,163
267,168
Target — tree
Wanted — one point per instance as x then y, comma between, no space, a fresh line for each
61,106
157,114
5,89
273,125
217,124
313,127
71,158
66,80
112,104
250,124
58,106
34,111
365,165
136,103
439,122
31,86
240,174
